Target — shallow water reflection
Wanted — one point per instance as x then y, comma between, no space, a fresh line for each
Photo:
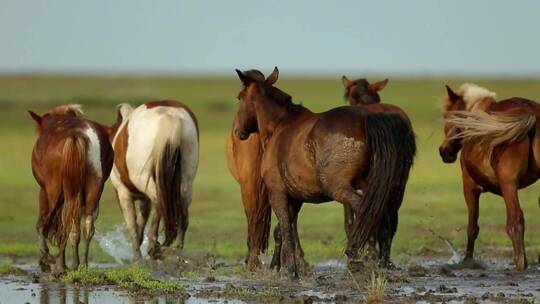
54,293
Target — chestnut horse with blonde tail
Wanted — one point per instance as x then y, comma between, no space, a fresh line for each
361,93
500,153
156,148
71,160
320,157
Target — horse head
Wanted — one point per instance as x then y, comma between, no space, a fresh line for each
255,86
451,144
361,92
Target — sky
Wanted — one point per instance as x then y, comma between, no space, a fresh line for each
415,37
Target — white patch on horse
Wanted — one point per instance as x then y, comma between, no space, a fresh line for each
94,150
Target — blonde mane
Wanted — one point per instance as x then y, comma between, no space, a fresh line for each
75,109
476,97
491,129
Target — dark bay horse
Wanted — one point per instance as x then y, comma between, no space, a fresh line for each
500,153
361,93
244,160
319,157
71,160
156,156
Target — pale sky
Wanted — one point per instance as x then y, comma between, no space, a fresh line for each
417,37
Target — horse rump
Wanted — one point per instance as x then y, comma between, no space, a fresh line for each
392,145
69,201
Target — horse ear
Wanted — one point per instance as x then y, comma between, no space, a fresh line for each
272,78
377,86
245,80
346,82
35,117
451,95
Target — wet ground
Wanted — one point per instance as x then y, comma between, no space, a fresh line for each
429,281
435,278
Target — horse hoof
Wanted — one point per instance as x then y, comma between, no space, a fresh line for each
470,263
254,264
44,266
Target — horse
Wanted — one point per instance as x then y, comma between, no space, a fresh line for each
320,157
71,160
361,93
156,148
500,153
243,160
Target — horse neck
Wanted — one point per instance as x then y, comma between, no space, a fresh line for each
269,115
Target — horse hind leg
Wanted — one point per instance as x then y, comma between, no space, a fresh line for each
93,194
185,201
44,255
515,225
125,200
145,206
74,239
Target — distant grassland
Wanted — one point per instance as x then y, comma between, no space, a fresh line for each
433,199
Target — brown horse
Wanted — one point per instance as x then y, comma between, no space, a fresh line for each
500,153
319,157
364,94
71,160
244,160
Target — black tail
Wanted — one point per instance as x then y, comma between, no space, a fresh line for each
169,179
392,146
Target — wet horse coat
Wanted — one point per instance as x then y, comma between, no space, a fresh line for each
156,158
500,153
71,161
318,157
361,93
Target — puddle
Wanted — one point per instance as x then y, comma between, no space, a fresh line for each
49,293
115,243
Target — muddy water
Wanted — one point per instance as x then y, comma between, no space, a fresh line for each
49,293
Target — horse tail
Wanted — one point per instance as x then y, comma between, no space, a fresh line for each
261,217
73,173
392,145
491,129
168,175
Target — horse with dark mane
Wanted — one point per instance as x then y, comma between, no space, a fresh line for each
500,153
320,157
361,93
71,161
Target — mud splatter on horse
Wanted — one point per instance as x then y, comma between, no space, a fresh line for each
361,93
319,157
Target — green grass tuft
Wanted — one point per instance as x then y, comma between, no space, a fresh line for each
132,278
6,268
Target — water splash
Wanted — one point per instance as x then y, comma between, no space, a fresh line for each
116,244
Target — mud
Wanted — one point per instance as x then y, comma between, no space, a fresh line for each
435,278
208,280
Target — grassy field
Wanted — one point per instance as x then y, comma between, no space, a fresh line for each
433,199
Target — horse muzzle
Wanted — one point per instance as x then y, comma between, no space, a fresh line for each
447,155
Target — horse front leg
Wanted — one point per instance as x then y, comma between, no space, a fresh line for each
294,209
471,193
279,203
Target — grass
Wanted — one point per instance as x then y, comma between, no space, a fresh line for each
132,278
376,287
7,268
217,223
